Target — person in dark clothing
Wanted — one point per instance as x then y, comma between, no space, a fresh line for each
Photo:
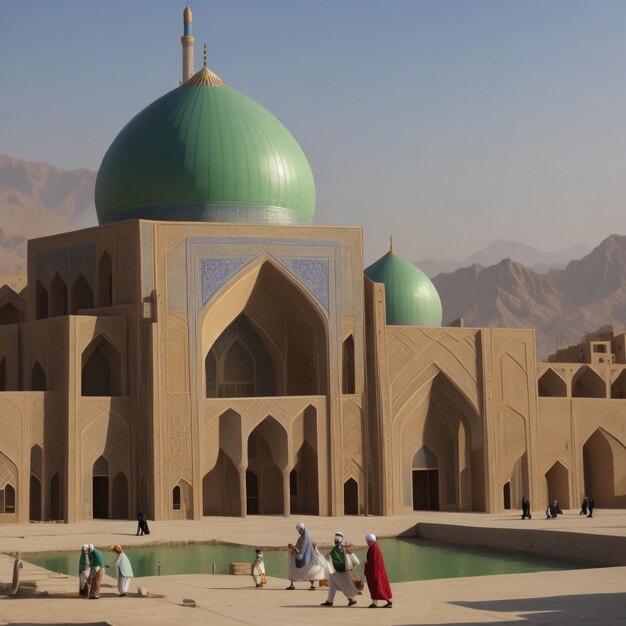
584,506
525,508
590,505
553,510
142,525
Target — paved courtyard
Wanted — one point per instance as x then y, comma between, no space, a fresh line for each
589,596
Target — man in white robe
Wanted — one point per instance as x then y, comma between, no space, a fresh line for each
124,571
341,565
305,562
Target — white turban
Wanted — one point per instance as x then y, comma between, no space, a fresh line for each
338,536
370,537
91,547
85,547
299,526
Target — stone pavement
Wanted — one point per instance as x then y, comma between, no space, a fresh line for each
590,596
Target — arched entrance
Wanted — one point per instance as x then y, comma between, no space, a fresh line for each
604,463
351,497
100,491
425,475
506,493
277,335
442,464
252,493
557,479
221,486
267,456
35,498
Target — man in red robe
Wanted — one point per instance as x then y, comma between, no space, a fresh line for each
376,574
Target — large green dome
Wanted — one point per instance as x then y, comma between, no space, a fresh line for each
410,297
205,152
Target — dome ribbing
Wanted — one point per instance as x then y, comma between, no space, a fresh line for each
205,152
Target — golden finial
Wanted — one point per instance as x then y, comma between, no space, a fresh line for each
204,55
390,243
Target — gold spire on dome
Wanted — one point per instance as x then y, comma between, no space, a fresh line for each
391,245
204,78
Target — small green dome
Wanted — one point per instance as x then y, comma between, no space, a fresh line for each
205,152
410,297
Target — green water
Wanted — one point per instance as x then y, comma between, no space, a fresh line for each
406,559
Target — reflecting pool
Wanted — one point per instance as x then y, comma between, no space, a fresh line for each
406,559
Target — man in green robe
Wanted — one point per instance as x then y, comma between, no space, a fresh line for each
341,578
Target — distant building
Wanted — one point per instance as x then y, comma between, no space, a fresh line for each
208,351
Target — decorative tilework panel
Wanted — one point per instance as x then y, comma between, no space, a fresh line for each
216,272
313,273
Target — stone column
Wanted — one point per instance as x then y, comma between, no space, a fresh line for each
242,491
286,494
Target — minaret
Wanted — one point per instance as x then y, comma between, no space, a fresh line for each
187,40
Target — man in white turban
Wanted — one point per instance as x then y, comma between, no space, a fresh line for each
84,571
305,562
342,563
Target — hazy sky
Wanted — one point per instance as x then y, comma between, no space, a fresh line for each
447,123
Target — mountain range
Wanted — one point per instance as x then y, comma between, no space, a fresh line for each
39,199
533,258
562,304
507,284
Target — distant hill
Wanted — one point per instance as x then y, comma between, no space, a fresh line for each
39,199
563,303
531,257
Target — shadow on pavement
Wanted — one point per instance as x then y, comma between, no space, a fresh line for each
604,608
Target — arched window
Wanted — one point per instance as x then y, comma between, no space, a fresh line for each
101,372
38,378
176,498
9,314
348,384
96,375
239,372
58,297
239,363
105,280
7,499
82,296
551,385
41,303
587,383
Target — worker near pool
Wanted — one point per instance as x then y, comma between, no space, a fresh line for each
124,571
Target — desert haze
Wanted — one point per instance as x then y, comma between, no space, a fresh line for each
38,199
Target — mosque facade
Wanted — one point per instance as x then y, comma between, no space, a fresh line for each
207,350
